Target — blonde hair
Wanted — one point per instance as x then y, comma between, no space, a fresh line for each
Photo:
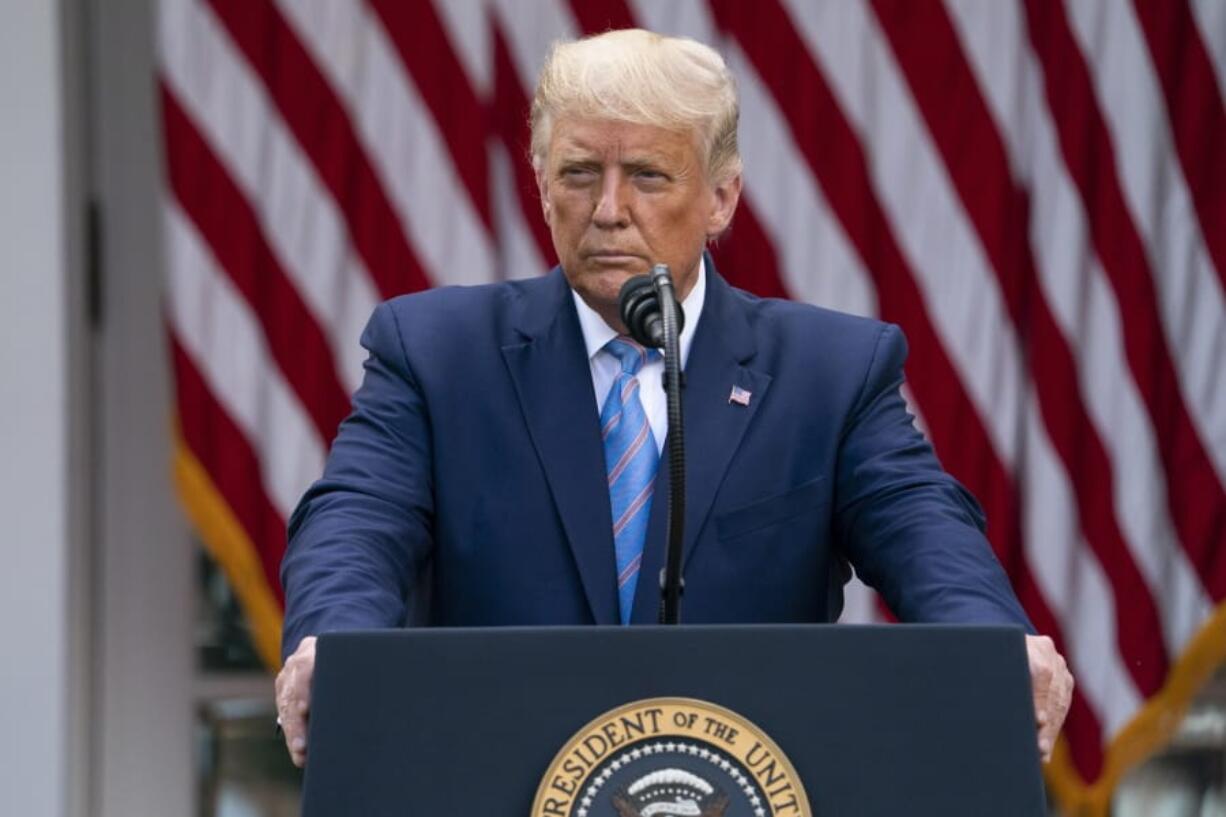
639,76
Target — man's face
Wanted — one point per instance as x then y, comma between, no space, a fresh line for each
620,198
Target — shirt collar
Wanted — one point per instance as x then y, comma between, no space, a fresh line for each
596,333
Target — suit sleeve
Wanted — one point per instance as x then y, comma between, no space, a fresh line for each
911,530
360,536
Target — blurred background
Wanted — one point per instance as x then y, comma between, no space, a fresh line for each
201,203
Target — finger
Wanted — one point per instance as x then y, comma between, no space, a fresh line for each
294,726
1047,741
1062,700
301,666
282,701
1042,695
1058,710
1047,706
293,699
1052,689
1041,661
297,707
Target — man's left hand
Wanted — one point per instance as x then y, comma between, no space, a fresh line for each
1052,686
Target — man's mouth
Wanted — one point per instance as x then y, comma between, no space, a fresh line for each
612,256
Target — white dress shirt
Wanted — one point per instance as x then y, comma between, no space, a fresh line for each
606,367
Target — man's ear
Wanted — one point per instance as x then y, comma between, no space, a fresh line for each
727,195
542,189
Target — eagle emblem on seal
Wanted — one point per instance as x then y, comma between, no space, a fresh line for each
670,793
670,757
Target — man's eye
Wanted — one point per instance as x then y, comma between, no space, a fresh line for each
651,175
576,172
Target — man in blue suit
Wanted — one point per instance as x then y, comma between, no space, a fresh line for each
500,465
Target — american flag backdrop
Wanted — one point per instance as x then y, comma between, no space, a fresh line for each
1034,190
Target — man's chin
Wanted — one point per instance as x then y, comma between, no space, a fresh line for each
615,262
606,280
600,288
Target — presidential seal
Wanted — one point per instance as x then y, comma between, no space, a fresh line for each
670,757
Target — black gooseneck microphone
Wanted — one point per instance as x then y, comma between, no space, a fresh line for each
640,309
649,309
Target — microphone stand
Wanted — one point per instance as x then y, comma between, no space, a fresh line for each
671,583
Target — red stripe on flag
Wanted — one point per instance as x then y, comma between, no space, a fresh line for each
509,117
745,256
947,93
832,150
595,16
1196,113
322,126
883,610
1195,495
232,464
1082,727
835,156
1084,734
425,49
224,217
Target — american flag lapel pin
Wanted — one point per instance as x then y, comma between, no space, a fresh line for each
739,396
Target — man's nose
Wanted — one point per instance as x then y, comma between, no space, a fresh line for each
612,209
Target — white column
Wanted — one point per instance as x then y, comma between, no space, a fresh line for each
146,600
36,501
96,595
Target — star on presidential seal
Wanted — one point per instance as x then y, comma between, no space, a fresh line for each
670,757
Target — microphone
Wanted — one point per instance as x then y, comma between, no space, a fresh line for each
640,311
654,318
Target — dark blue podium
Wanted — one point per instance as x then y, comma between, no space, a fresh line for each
762,720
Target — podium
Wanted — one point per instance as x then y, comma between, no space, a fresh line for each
690,721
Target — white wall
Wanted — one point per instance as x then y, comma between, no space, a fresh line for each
96,592
143,763
36,496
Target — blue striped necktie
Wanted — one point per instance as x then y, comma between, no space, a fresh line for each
631,458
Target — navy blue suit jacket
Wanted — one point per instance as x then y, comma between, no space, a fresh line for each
468,485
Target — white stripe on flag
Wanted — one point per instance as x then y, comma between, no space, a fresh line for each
1073,583
467,23
964,300
859,603
1077,291
680,18
958,287
1210,16
917,416
531,29
518,254
223,338
400,136
796,216
232,112
1190,296
779,184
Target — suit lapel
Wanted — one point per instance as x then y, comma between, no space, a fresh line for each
714,425
553,382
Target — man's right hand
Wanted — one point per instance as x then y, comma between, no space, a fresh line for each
294,698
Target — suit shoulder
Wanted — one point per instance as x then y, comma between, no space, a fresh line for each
447,300
790,322
815,350
459,310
